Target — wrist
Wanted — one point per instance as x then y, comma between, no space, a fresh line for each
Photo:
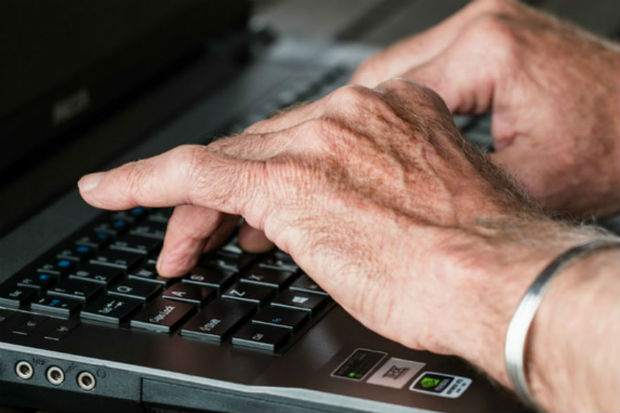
506,265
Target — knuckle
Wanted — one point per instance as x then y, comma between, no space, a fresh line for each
349,95
137,177
495,6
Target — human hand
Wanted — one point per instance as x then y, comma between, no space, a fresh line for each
553,90
378,198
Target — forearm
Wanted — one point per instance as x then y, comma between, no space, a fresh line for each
573,353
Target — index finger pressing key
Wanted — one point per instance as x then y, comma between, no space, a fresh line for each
188,174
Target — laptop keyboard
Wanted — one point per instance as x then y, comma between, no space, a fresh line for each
106,274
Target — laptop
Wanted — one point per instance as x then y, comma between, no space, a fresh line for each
86,324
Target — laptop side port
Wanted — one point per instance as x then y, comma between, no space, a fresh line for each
24,370
86,381
55,375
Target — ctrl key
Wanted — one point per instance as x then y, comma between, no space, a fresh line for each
14,296
260,337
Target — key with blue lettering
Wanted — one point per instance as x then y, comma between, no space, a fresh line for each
36,281
59,306
56,267
77,253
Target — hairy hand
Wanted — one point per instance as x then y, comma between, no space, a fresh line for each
378,198
553,90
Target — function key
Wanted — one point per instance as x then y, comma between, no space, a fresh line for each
96,273
135,244
37,281
217,320
56,305
135,289
57,329
110,309
209,277
76,253
162,315
190,293
307,285
26,324
299,301
261,337
150,229
75,289
15,296
95,239
257,294
57,267
267,276
117,259
281,317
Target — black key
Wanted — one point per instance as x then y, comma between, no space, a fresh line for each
217,320
307,285
227,261
6,315
160,215
57,329
281,317
135,289
77,253
266,276
297,300
26,324
131,215
253,293
136,244
259,336
162,315
190,293
110,309
278,262
74,289
14,296
118,259
37,281
57,267
63,307
113,227
96,274
147,272
95,239
150,229
232,247
209,277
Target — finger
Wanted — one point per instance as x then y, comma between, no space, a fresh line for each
296,140
186,236
222,232
416,50
287,118
188,174
253,240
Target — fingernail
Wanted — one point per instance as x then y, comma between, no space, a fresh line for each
90,181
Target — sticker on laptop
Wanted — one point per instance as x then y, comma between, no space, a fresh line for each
357,366
395,373
440,384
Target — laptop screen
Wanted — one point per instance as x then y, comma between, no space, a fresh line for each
65,60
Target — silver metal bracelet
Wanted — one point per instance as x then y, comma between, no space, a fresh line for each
526,310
